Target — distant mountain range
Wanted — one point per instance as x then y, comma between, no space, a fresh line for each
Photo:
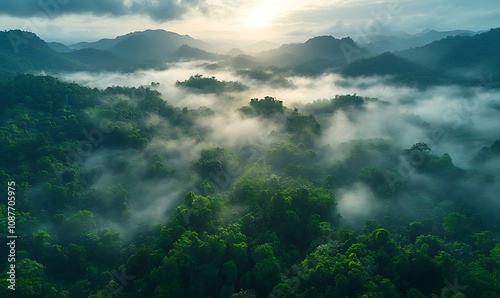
59,47
397,70
24,51
325,52
150,46
457,57
478,52
400,42
259,46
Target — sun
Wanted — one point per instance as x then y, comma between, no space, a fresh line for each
259,17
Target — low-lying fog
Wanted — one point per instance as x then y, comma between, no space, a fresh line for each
450,119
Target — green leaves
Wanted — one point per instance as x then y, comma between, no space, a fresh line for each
268,106
266,271
456,226
229,273
269,225
199,83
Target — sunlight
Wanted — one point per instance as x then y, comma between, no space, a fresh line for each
259,17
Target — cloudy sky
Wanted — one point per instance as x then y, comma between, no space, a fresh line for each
240,22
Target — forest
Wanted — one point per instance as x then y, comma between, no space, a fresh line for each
129,192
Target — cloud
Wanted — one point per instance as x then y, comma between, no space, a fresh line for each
366,18
450,119
293,21
159,11
357,204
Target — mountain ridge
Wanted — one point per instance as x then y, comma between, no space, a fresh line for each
445,59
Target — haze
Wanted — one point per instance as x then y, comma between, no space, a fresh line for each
249,149
241,22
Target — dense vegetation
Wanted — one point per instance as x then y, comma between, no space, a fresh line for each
262,221
438,63
201,84
267,76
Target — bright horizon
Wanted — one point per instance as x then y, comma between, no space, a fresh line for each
240,22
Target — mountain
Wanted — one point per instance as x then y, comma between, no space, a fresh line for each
325,51
459,59
243,61
219,47
399,69
326,47
433,35
99,58
384,64
108,43
383,43
22,51
59,47
187,52
474,53
235,52
102,44
149,45
455,59
259,46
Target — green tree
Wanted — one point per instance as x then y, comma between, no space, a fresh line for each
456,226
229,273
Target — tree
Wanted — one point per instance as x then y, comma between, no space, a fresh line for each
268,106
495,254
423,147
31,278
229,273
415,229
456,226
266,274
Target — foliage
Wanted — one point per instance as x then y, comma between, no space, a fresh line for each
266,76
270,226
199,83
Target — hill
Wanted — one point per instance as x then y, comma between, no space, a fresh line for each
456,59
187,52
141,45
22,51
97,59
260,46
479,52
384,64
384,43
59,47
314,56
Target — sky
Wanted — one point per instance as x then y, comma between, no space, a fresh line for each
243,22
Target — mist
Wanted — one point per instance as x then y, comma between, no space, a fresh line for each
452,120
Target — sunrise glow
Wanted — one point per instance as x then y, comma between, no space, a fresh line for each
259,17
